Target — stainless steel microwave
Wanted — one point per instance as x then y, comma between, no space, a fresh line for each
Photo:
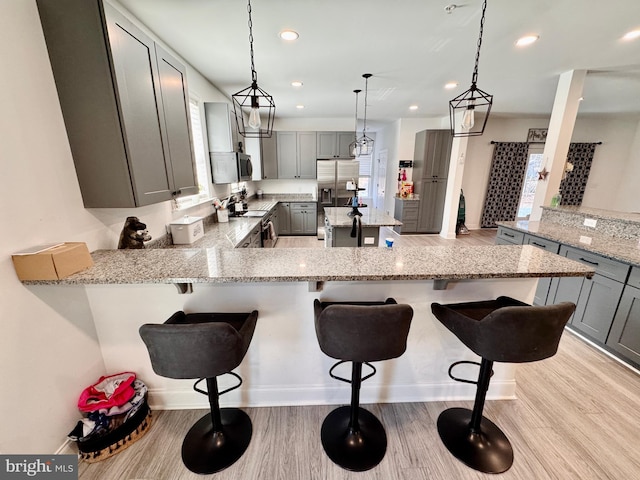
230,167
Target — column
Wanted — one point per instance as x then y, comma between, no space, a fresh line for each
454,184
563,119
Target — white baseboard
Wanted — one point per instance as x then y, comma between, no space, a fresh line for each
279,396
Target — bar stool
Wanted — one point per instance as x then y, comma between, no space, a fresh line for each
501,330
358,332
204,346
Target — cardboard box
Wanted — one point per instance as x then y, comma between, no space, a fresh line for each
52,262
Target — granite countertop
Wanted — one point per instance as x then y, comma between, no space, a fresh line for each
224,265
371,217
599,213
624,250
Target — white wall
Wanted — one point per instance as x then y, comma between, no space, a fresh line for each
625,201
611,159
48,343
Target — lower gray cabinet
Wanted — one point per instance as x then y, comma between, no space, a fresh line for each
284,218
406,211
624,336
597,304
597,298
304,219
542,291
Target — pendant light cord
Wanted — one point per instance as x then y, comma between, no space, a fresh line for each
474,78
366,92
254,75
355,130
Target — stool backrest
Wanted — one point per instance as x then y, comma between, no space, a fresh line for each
364,332
197,350
513,333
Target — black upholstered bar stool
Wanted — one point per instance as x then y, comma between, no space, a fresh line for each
204,346
501,330
358,332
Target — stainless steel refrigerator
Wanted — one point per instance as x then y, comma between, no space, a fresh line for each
333,176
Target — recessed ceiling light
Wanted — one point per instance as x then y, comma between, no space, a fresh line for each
527,40
451,85
296,84
632,35
413,107
289,35
299,107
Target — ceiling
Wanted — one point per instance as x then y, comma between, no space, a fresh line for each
412,48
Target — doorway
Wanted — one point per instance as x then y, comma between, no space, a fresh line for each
534,165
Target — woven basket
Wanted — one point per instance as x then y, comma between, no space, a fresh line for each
118,439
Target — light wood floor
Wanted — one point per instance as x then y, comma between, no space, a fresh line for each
577,416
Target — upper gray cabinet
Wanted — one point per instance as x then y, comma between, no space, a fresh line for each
296,152
334,144
125,105
432,152
269,158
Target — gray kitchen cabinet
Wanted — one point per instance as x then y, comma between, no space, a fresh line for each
544,284
284,218
269,158
296,152
432,152
431,206
124,103
596,298
406,211
334,145
304,219
507,235
624,336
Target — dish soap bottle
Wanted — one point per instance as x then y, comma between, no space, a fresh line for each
555,200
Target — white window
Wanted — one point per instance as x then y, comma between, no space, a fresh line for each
366,163
200,156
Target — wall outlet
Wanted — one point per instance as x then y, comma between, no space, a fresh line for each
369,240
590,222
584,239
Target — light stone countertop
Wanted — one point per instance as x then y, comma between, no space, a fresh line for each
621,249
222,265
371,217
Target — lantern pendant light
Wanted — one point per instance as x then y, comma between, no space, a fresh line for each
364,145
464,109
353,146
254,102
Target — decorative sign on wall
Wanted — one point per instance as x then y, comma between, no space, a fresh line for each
537,135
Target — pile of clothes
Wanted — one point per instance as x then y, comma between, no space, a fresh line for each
116,414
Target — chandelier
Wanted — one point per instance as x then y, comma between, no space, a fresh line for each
252,101
464,108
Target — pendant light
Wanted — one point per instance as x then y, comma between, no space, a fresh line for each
464,108
364,145
353,146
254,102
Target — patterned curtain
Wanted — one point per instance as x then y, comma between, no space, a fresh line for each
574,182
505,183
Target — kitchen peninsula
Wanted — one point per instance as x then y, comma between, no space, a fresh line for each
284,366
341,231
608,305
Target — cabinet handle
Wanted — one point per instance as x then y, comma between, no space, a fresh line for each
538,245
589,262
508,235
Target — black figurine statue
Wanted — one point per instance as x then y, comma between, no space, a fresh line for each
134,234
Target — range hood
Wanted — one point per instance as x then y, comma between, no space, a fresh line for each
222,134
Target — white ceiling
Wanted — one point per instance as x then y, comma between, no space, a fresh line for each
412,48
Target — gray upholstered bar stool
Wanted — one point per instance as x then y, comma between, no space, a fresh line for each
501,330
205,346
358,332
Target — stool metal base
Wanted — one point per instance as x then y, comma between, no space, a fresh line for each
356,449
488,450
205,451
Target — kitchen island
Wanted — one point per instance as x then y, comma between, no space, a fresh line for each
284,365
341,229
